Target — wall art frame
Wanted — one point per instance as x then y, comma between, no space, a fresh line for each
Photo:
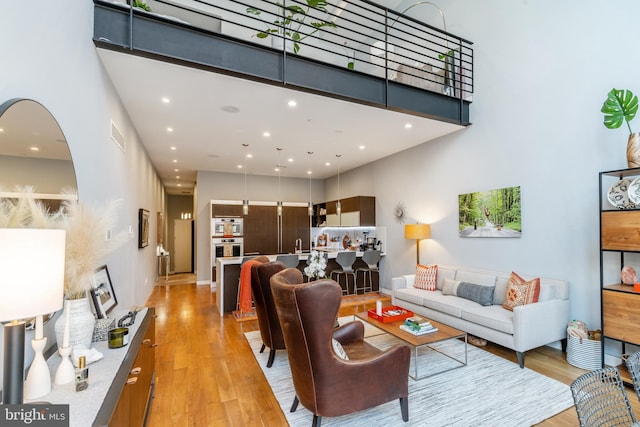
143,228
102,294
493,213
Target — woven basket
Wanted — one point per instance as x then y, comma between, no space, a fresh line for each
584,353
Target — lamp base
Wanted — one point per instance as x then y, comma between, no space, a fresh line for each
66,373
38,382
13,371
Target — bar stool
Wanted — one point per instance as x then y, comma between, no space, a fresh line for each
346,260
290,261
371,258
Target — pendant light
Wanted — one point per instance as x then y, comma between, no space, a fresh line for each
310,207
245,202
338,204
279,198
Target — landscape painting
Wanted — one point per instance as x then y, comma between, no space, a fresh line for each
494,213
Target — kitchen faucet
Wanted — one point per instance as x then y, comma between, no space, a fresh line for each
298,246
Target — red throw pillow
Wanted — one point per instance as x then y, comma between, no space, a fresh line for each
521,292
426,277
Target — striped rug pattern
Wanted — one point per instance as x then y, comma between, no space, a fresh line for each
489,391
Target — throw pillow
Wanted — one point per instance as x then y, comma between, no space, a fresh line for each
521,292
481,294
426,277
450,287
338,349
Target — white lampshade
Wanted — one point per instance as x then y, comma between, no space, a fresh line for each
31,272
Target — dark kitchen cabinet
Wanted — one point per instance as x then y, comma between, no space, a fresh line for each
262,235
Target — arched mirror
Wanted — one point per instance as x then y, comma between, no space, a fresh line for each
34,153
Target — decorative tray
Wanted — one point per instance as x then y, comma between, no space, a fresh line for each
390,314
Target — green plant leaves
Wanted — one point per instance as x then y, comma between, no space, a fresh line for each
620,105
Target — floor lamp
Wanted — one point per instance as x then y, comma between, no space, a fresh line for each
417,232
31,284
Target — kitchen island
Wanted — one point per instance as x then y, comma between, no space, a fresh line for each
228,276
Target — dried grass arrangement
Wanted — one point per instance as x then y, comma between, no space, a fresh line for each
85,225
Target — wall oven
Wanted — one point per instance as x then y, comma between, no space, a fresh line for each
222,247
226,227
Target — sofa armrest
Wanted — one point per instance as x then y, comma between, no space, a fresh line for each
540,323
402,282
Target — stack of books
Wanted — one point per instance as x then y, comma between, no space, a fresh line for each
418,326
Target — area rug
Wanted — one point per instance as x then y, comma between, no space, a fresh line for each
489,391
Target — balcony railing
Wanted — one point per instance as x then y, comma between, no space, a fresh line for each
355,34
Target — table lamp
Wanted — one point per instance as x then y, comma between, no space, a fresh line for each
417,232
31,284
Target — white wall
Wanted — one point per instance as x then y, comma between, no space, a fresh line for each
48,56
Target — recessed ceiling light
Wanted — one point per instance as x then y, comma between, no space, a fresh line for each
266,134
249,156
165,100
292,103
169,129
175,161
239,166
174,148
277,169
179,185
408,126
176,170
229,109
177,176
309,172
1,130
361,147
327,164
34,149
290,160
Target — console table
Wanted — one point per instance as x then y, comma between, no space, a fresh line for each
120,384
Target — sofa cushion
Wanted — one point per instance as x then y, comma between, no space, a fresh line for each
426,276
501,289
521,291
448,304
444,273
412,295
481,294
478,278
450,287
494,317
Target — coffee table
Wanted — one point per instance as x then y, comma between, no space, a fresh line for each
416,342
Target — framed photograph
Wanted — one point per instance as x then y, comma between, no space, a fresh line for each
493,213
143,228
102,294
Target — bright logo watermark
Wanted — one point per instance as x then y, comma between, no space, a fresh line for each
34,415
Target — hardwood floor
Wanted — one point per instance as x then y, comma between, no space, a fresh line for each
206,374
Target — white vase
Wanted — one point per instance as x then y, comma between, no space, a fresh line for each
81,323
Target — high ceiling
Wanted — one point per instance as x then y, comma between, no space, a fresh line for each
212,115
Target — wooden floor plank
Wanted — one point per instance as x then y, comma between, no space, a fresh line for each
206,374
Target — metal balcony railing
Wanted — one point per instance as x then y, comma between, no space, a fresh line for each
356,34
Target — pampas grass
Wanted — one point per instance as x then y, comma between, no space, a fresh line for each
85,224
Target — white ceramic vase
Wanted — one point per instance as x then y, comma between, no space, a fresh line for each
81,323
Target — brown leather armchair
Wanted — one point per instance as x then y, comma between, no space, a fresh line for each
326,384
270,330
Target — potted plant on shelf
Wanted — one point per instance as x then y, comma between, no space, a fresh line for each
620,106
291,20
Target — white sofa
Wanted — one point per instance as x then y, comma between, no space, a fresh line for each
526,327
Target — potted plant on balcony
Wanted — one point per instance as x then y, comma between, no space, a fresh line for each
622,105
291,25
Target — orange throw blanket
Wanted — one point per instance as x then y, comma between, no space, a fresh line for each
245,286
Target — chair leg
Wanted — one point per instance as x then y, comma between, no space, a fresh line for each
404,408
262,348
272,356
317,420
294,405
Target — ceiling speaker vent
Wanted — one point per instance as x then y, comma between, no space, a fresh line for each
117,137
